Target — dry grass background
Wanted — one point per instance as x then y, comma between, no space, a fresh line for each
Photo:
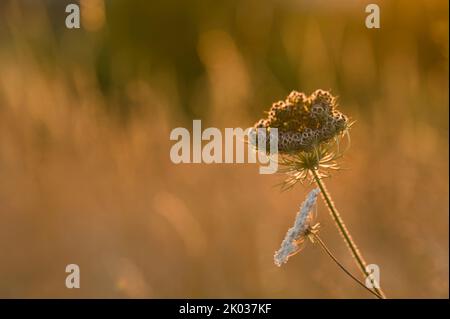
85,174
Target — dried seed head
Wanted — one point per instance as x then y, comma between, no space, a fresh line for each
315,118
305,122
296,235
310,131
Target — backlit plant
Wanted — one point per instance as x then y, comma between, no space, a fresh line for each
311,131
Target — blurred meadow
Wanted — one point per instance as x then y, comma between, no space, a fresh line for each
85,172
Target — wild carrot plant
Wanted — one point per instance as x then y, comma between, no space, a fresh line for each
311,131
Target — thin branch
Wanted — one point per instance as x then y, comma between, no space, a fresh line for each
325,248
343,230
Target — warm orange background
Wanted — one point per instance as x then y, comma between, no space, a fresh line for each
85,173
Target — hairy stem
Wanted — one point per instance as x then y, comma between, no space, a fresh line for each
325,248
344,231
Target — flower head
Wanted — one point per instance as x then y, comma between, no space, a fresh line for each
296,235
310,129
304,122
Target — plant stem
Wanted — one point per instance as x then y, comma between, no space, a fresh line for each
344,231
325,248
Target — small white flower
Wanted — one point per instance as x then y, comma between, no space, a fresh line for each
296,234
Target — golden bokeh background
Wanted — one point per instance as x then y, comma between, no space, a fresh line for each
85,172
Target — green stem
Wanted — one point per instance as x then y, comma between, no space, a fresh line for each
325,248
344,231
